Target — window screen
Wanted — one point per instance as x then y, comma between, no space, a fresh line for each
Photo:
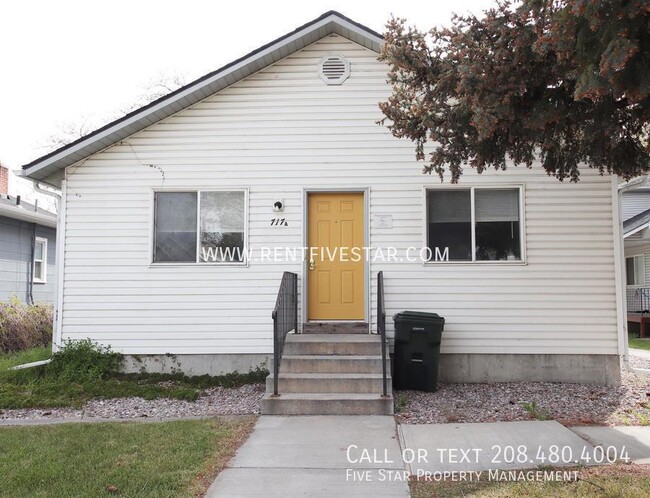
175,227
497,224
222,226
449,225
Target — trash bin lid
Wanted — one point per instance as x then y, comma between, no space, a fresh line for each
418,316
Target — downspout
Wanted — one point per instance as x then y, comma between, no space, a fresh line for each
31,365
41,190
60,267
58,199
620,244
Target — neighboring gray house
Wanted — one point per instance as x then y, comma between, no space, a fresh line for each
635,211
27,248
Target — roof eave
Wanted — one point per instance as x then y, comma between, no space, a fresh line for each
17,213
330,22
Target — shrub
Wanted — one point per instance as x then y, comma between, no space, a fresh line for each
24,326
79,361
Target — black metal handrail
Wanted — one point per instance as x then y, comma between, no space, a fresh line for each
638,300
381,328
285,319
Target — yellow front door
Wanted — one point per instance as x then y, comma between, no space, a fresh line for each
336,259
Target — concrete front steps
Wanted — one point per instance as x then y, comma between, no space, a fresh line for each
329,374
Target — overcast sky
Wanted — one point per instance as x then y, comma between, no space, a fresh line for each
65,60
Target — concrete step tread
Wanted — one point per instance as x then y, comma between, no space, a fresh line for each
314,375
332,357
333,338
309,403
327,396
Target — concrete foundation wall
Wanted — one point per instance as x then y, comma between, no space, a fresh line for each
196,364
454,368
578,368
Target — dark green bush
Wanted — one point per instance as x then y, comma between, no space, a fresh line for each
84,360
83,370
24,326
233,379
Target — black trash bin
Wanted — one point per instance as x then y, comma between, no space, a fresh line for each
417,350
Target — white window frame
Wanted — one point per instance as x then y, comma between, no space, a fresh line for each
472,189
197,263
634,258
42,279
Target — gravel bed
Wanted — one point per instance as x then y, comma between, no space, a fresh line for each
241,400
569,404
36,413
640,359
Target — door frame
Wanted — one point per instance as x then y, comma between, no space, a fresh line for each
365,191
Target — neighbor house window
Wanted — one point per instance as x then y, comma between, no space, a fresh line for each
635,270
474,224
199,227
39,269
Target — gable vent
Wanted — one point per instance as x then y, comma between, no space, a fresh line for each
334,69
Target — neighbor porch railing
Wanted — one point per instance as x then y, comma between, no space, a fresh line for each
285,319
381,328
638,300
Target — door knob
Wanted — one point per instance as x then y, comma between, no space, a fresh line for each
312,265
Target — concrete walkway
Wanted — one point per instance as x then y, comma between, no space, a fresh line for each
316,456
644,357
490,446
365,456
636,440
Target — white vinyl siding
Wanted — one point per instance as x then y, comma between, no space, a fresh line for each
283,130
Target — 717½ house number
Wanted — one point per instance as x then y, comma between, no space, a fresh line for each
279,222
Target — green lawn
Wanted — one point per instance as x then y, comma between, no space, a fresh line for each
636,343
621,481
160,459
35,354
46,387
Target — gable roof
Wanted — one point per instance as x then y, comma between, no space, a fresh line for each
197,90
636,223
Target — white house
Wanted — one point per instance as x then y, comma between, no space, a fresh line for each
281,150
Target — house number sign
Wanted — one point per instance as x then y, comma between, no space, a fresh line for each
279,222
